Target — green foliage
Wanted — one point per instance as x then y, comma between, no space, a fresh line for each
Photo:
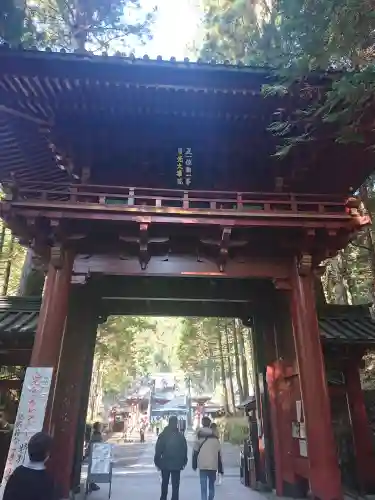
233,429
11,22
198,349
90,24
295,37
117,350
129,347
12,256
216,353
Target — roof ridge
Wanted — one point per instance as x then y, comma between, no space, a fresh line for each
131,58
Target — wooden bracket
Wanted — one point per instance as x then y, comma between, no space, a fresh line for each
353,206
144,255
224,248
55,231
57,256
305,265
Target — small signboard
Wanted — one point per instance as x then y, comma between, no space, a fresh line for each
295,430
100,466
303,448
299,410
30,417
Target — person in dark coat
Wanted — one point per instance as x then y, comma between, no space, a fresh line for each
171,458
96,437
32,481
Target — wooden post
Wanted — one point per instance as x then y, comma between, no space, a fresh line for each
51,324
84,402
48,338
79,339
362,434
325,479
275,419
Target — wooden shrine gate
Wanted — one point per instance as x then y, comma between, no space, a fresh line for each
98,184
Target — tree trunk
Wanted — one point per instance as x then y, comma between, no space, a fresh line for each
79,31
230,370
222,369
244,369
368,236
337,274
2,238
8,265
249,356
95,388
237,360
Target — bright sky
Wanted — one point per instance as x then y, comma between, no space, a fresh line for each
176,27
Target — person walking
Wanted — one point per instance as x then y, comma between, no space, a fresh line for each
142,434
96,437
171,458
215,430
207,458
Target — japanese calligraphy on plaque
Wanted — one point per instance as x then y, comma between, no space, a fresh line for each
101,458
30,417
184,166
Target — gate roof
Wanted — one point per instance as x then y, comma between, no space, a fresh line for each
125,118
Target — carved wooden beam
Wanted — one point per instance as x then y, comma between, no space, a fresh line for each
305,264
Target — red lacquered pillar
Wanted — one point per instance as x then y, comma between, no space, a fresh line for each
325,478
75,353
362,434
275,423
51,324
43,354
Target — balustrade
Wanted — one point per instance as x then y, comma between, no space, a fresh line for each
170,200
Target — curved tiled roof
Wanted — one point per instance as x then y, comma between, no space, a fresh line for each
342,324
347,324
59,111
18,318
41,89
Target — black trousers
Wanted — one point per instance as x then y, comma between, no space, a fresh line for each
175,479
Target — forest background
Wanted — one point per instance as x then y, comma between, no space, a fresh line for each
292,38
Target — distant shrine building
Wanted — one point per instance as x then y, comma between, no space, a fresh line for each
149,187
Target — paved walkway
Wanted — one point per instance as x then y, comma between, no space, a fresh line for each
135,477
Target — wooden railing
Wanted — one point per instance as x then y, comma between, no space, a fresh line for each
78,194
